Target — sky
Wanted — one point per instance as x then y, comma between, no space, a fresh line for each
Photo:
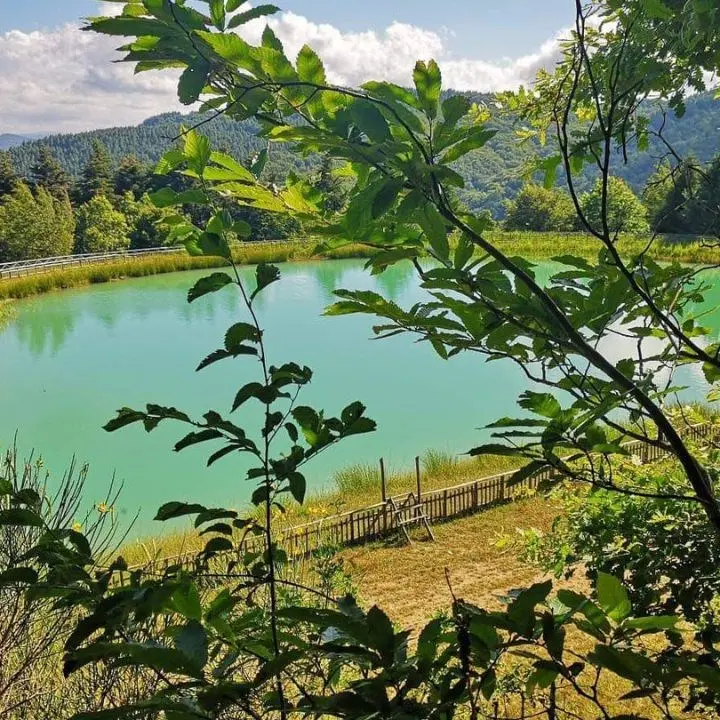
63,80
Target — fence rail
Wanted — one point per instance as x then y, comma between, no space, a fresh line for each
377,521
22,268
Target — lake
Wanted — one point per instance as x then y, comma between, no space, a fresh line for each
69,360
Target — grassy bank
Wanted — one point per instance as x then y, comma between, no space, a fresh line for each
60,279
666,248
538,246
354,487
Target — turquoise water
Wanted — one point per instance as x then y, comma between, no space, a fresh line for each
69,360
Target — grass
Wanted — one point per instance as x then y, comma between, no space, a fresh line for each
537,246
250,254
355,487
667,248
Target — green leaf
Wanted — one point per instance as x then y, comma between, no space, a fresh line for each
19,575
21,517
654,623
265,275
370,121
192,640
186,601
434,228
195,438
197,151
256,12
612,597
522,610
454,109
386,197
477,137
298,487
210,284
550,167
192,82
238,334
428,83
310,67
217,545
172,510
542,404
217,13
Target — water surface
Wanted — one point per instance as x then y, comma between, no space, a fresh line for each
69,360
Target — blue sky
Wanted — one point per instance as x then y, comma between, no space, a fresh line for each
483,29
66,81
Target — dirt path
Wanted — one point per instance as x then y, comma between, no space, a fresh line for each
410,583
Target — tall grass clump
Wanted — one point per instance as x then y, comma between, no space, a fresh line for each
359,479
439,464
247,254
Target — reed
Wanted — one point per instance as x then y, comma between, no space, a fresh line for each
537,246
250,254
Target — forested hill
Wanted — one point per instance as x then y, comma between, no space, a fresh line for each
493,174
149,141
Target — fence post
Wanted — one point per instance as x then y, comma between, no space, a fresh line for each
383,488
417,477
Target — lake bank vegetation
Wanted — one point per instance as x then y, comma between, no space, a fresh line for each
247,632
531,245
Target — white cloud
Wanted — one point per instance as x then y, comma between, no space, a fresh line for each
64,80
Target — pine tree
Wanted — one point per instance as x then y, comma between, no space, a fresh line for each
670,196
96,178
132,176
8,176
47,173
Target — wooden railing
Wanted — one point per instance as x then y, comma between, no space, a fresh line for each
377,521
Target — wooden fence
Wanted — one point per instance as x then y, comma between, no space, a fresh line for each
378,521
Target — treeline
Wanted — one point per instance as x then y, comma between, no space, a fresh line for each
492,174
682,199
106,207
149,141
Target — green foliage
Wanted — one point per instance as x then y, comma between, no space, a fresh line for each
34,225
623,212
47,173
539,209
100,228
8,176
665,549
148,225
245,650
96,177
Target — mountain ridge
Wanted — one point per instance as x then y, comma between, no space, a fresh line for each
493,174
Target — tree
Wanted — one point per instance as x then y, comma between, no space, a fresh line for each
96,178
330,186
670,197
8,176
100,228
403,145
540,209
146,222
132,176
624,211
704,207
34,226
47,173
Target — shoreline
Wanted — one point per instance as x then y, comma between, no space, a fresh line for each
531,245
